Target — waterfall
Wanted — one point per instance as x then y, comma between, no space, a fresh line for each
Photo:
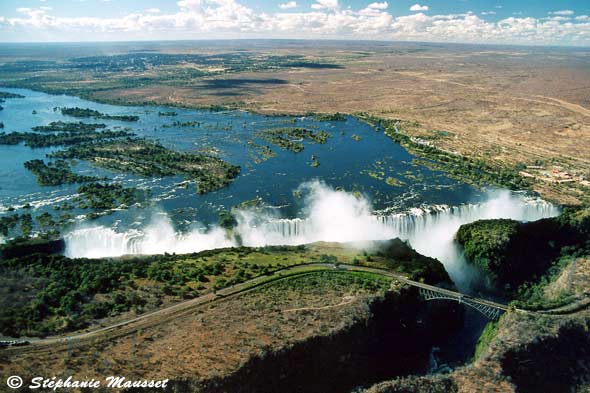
96,242
158,238
329,215
413,225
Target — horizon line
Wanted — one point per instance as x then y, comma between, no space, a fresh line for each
535,45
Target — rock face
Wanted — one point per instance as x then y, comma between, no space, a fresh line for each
556,363
395,340
416,384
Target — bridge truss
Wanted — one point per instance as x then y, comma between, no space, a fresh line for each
489,309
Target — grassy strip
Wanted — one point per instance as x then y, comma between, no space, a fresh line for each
61,126
91,113
487,336
147,158
290,138
463,168
6,95
55,173
35,140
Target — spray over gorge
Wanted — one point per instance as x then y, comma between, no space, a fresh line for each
326,215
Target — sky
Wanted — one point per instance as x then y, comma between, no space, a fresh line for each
525,22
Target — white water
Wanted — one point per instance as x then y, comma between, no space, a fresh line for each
329,215
158,237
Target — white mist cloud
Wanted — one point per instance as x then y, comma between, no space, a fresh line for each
328,215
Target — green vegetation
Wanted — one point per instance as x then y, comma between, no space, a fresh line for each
35,140
46,293
314,162
170,113
91,113
55,173
328,116
476,172
141,69
8,223
486,242
532,295
16,222
514,253
291,138
25,247
487,336
150,159
6,95
60,126
183,124
227,220
264,152
99,196
392,181
326,280
401,258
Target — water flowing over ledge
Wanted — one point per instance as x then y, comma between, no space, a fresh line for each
328,215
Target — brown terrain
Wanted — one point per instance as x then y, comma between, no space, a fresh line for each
209,341
507,105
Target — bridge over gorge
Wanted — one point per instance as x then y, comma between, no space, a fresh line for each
488,308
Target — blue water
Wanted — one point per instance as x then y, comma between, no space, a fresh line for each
344,162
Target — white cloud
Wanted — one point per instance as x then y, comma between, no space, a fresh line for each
418,7
488,13
153,10
558,18
289,5
325,4
562,12
229,18
378,6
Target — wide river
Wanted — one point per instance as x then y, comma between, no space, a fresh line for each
345,198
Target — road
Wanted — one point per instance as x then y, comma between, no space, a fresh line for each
249,285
